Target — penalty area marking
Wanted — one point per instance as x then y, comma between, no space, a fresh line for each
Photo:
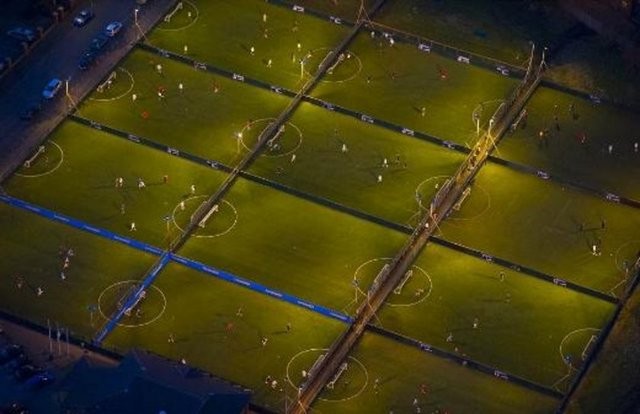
188,25
351,358
421,270
124,325
569,335
122,95
207,236
353,76
441,179
52,170
291,151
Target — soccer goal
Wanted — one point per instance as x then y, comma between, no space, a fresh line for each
203,223
106,85
463,196
343,367
405,279
173,12
587,348
28,163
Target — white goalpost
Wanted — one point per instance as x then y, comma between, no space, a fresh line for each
203,223
29,162
405,279
176,9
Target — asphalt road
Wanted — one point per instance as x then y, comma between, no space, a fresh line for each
57,56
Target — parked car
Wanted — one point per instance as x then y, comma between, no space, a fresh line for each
31,111
9,352
40,380
25,372
112,29
84,17
53,87
14,408
99,41
17,362
23,34
87,59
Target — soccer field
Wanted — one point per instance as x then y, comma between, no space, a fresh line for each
236,26
34,252
525,326
78,179
349,156
542,225
287,243
203,120
587,143
290,244
421,91
219,327
405,374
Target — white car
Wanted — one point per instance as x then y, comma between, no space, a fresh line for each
112,29
52,88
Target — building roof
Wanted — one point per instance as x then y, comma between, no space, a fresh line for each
148,383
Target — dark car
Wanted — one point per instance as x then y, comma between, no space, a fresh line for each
84,17
87,59
98,42
31,111
40,380
17,362
14,408
9,352
23,34
25,372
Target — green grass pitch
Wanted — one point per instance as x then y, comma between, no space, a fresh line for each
78,179
351,177
294,245
34,251
237,26
395,82
199,120
577,147
201,314
522,321
402,371
551,228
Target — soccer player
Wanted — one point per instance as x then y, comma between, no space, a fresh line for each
475,323
635,147
299,47
423,111
39,291
502,275
264,17
293,158
288,327
159,69
134,97
165,179
239,313
171,339
379,178
132,226
63,276
610,149
269,62
185,49
181,87
344,148
252,50
450,337
264,341
141,183
182,205
193,189
385,163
